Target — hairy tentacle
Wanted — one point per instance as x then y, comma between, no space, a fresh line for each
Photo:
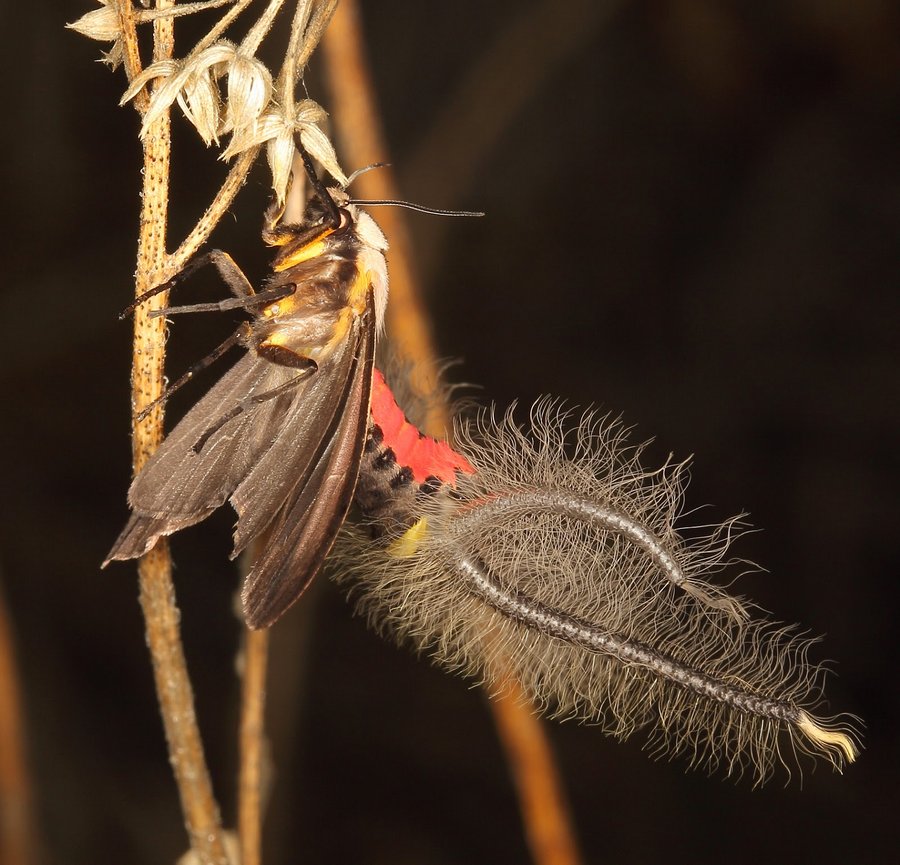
558,554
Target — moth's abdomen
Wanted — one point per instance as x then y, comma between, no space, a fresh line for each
401,466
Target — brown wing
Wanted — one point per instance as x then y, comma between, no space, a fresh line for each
178,486
303,436
307,524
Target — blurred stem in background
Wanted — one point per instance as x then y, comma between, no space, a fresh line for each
546,819
17,830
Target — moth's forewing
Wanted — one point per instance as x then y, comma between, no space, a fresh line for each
141,533
178,486
308,523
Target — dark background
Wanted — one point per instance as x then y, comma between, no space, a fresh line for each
692,220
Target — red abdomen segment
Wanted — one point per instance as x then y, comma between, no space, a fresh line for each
401,463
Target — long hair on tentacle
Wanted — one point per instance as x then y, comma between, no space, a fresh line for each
555,556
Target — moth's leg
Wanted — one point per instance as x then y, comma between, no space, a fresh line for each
231,275
239,337
304,372
266,296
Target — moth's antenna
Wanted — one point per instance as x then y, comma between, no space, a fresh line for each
435,211
364,169
376,202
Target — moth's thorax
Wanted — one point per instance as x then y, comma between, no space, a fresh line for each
374,266
371,264
329,265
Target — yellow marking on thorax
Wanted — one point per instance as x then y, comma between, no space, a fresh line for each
285,307
359,289
305,253
286,337
291,305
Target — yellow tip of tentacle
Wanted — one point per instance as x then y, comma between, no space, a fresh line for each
828,740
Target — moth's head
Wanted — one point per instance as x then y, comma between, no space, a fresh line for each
318,211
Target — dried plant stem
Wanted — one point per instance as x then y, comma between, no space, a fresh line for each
200,233
16,818
252,738
310,22
222,25
358,130
132,58
176,702
157,594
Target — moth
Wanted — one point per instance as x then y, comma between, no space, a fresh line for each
280,436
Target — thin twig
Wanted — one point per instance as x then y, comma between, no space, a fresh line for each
221,26
176,702
16,818
255,656
252,745
200,233
132,57
157,594
358,129
252,739
313,32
